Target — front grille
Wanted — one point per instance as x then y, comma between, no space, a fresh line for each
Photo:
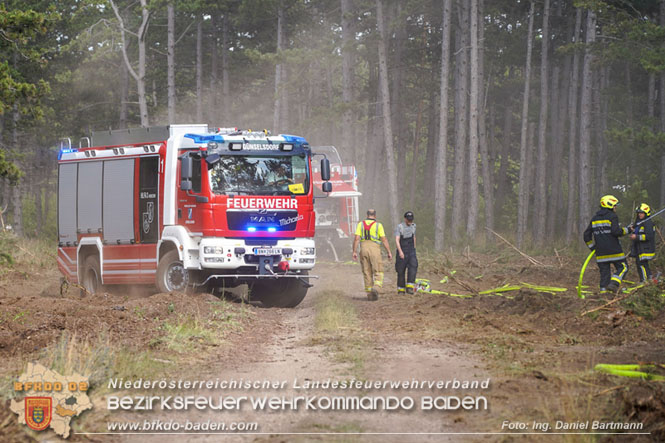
278,220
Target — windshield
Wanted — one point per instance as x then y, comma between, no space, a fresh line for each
253,175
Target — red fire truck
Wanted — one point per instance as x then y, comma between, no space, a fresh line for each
337,215
181,206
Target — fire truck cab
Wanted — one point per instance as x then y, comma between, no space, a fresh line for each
337,215
182,206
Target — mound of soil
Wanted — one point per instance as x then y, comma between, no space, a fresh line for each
645,403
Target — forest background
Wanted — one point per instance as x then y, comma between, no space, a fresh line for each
516,116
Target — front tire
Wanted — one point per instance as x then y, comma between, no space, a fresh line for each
283,293
171,273
92,276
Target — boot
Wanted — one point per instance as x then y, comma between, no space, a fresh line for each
373,295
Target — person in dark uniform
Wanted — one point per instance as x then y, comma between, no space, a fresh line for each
406,259
603,234
644,243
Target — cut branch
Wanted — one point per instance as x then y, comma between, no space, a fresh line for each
531,259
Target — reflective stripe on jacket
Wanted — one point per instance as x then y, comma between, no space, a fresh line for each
603,234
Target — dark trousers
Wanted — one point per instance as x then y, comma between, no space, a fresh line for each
410,263
643,269
606,276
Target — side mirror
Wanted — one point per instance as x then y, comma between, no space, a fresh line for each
211,159
325,169
326,187
186,168
186,185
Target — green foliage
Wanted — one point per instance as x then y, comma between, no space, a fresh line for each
647,302
8,243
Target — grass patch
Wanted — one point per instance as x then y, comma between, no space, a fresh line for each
337,326
97,359
185,332
188,331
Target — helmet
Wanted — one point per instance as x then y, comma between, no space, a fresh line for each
644,208
609,201
408,215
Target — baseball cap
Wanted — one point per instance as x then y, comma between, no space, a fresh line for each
408,215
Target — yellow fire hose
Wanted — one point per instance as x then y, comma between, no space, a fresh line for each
579,282
631,370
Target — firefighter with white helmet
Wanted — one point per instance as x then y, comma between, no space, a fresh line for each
644,242
602,235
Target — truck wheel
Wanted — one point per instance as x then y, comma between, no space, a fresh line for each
92,277
283,293
171,273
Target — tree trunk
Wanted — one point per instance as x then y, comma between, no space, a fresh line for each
523,199
38,186
433,127
629,95
651,99
662,114
572,219
485,155
414,160
559,96
387,124
17,209
124,95
461,120
276,121
348,40
170,58
199,71
397,95
503,180
139,76
541,162
603,182
472,214
214,67
585,120
226,99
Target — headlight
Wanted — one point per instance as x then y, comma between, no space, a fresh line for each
308,251
213,250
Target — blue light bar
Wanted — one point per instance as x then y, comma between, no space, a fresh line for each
272,229
66,151
198,138
293,139
251,229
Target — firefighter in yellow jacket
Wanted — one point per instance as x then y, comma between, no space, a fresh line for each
370,234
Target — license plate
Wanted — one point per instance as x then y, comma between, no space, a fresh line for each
267,251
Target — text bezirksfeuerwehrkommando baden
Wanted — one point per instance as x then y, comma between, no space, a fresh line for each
298,384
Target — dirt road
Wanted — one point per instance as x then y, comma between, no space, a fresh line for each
289,349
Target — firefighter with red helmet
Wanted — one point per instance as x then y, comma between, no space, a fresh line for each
644,242
602,235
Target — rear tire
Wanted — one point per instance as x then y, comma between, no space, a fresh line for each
283,293
92,277
171,273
